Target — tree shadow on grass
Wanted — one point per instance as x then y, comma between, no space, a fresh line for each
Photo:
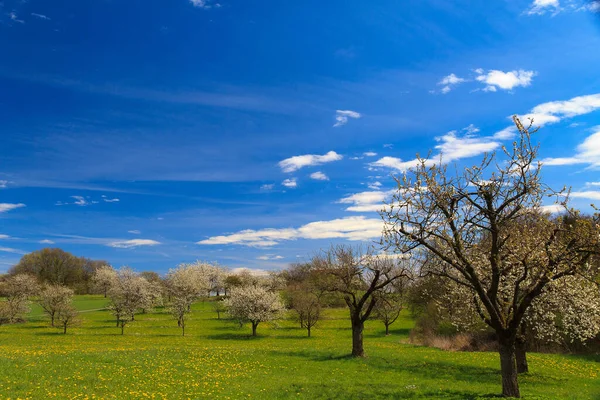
402,332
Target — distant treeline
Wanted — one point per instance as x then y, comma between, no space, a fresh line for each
56,266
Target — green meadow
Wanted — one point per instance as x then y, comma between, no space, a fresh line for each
218,360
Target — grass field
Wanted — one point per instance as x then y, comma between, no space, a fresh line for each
218,360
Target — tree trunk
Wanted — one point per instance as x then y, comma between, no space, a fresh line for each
254,325
357,338
521,349
64,329
308,329
521,356
182,330
508,366
387,329
122,328
52,319
218,314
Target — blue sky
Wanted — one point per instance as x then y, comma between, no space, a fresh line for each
252,133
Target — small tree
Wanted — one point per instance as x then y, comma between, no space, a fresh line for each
387,309
219,307
307,305
359,278
254,304
104,278
54,298
466,221
67,316
185,284
17,289
128,294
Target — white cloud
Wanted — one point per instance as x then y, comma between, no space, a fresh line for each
80,200
267,187
449,82
588,194
269,257
319,176
307,160
451,147
2,237
507,133
4,207
496,79
350,228
553,209
592,184
587,152
40,16
206,4
290,183
3,184
46,241
107,200
14,17
367,201
128,244
10,250
134,232
374,185
369,154
539,7
341,117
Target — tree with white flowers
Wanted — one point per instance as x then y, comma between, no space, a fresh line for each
485,227
128,294
186,284
17,290
54,298
254,304
103,278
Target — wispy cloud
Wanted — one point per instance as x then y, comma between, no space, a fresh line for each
539,7
290,183
452,146
269,257
40,16
3,184
15,18
587,152
367,201
46,241
128,244
351,228
135,232
319,176
308,160
11,250
267,187
4,207
205,4
449,82
369,154
587,194
109,200
342,117
495,79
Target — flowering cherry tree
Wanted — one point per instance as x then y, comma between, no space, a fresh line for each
467,221
254,304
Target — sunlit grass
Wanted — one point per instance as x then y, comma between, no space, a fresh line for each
218,360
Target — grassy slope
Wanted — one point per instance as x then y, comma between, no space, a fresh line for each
218,360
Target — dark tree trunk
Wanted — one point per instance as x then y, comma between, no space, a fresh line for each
52,319
521,350
308,329
387,329
521,356
254,325
122,328
357,338
182,330
508,366
218,314
64,329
